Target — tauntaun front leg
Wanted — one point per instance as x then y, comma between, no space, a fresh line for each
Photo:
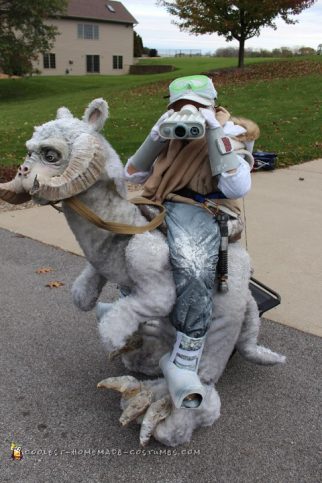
87,288
152,293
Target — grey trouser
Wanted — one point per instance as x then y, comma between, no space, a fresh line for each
194,238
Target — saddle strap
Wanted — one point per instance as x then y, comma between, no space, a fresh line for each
121,228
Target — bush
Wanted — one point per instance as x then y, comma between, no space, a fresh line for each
153,53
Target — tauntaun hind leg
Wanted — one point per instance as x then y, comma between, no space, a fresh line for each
247,341
156,337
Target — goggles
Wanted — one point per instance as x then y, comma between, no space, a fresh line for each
197,88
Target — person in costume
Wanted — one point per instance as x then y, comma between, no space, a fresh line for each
176,172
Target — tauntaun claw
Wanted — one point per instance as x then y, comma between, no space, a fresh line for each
157,412
137,406
137,401
127,385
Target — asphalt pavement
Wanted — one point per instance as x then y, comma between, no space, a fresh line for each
51,360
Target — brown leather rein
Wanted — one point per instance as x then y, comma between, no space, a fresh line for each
121,228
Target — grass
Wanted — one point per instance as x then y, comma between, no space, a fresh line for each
286,109
288,112
195,65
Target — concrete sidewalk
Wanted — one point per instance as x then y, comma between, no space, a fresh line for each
283,236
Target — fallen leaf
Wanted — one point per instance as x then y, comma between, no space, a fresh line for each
55,284
44,270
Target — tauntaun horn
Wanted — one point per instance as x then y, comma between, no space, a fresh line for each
84,169
13,192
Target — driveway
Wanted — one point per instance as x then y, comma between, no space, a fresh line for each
52,359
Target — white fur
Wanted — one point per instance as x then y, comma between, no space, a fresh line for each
96,114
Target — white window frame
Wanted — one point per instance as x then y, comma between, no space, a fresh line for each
50,59
88,31
117,62
93,64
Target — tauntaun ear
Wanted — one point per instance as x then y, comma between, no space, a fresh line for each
63,113
96,114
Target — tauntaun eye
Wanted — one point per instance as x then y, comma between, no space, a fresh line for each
51,156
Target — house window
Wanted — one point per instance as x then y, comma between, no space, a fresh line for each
49,61
117,61
88,31
93,63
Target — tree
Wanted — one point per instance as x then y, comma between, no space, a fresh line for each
24,32
306,51
233,19
227,52
138,45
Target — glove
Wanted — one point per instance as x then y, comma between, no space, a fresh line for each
155,135
236,185
139,177
210,116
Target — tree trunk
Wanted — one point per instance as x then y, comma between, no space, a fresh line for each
241,52
241,39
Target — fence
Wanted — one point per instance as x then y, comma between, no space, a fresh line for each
179,52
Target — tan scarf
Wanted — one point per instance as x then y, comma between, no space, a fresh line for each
179,164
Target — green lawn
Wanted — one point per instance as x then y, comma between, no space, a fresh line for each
288,112
194,65
286,109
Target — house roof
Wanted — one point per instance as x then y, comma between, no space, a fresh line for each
102,10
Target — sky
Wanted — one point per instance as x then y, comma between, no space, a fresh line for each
157,30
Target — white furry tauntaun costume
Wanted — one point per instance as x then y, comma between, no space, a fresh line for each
69,157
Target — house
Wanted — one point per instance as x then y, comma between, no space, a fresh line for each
95,37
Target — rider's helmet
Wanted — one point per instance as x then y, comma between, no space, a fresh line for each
198,88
